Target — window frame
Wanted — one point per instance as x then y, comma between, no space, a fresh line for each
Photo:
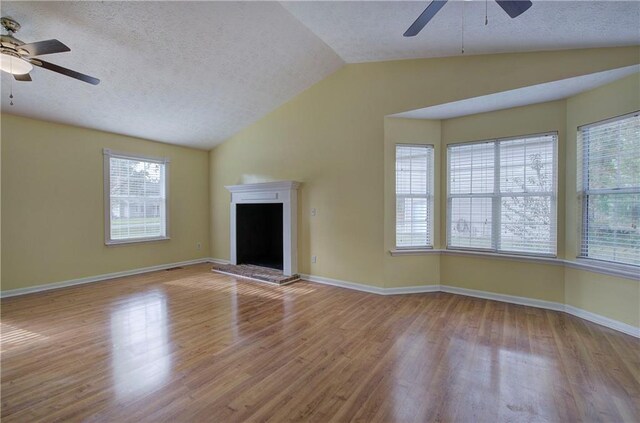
582,178
496,198
430,197
107,155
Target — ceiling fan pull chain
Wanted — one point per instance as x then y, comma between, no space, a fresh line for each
486,15
11,84
463,27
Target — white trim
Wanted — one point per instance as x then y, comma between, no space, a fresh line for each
589,265
106,178
136,240
466,252
344,284
497,195
264,186
531,302
428,195
99,278
419,289
123,155
603,321
512,299
505,256
413,251
372,289
608,120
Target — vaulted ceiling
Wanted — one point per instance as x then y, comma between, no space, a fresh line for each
195,73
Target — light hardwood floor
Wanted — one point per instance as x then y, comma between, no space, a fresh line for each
192,345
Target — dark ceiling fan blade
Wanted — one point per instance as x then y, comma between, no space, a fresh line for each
65,71
514,8
26,77
44,47
424,18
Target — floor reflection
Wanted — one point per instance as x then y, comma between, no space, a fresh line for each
506,383
15,337
141,359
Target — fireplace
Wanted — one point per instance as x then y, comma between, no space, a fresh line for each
259,234
263,225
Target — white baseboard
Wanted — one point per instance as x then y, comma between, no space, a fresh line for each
344,284
372,289
420,289
98,278
531,302
604,321
550,305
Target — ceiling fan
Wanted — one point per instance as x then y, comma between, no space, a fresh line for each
513,8
18,58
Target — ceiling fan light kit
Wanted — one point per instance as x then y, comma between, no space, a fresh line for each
14,64
18,58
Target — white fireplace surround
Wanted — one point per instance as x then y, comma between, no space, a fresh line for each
283,192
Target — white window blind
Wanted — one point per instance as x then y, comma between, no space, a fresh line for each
501,195
135,198
414,196
609,184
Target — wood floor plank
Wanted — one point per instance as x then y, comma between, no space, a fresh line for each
193,345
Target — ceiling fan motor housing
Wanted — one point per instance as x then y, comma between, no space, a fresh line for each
11,44
9,24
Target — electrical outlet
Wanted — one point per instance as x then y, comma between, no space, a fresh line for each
313,212
198,246
314,259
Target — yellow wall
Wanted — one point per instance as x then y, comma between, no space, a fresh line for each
612,297
615,99
52,204
0,205
504,276
409,270
609,296
331,137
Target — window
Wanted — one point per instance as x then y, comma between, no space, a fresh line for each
135,198
609,184
501,195
414,196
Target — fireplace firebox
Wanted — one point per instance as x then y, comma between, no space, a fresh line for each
259,234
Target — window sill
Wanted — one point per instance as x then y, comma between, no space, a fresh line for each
112,243
413,251
589,265
469,253
505,256
605,268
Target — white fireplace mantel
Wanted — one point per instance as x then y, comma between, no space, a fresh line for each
284,192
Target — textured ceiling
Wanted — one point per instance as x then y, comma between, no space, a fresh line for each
534,94
372,31
195,73
183,73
